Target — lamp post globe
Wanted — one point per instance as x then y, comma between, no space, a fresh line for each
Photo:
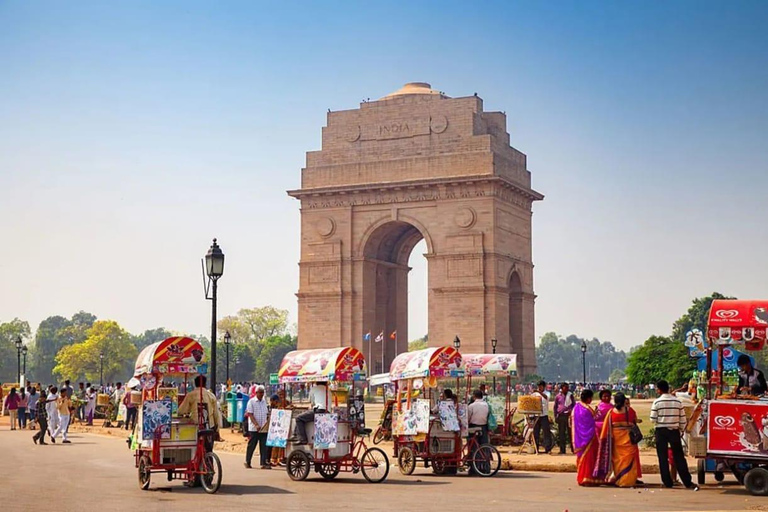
494,342
456,343
214,269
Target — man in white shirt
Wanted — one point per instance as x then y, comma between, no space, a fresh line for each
477,415
257,412
543,422
318,399
668,415
51,411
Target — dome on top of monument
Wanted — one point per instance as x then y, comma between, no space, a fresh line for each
415,88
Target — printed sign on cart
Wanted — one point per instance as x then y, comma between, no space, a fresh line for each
326,431
279,428
156,419
448,417
738,428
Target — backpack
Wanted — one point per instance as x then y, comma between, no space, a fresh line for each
492,423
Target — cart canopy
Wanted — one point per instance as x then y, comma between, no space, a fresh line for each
332,364
494,365
430,362
738,321
172,356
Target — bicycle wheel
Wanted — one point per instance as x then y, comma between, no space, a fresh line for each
144,472
298,465
328,471
486,460
379,435
211,478
375,465
406,460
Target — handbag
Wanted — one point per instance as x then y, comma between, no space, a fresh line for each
635,434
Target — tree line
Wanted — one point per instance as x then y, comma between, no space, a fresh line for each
72,348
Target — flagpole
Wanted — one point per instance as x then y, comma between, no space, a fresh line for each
382,353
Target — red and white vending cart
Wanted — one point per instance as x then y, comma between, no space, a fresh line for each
734,428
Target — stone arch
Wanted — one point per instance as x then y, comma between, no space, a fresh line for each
366,236
516,293
385,251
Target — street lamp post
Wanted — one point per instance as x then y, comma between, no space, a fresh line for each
24,351
584,362
214,269
494,342
19,344
456,343
101,370
227,341
237,362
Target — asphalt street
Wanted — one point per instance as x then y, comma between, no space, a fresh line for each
97,473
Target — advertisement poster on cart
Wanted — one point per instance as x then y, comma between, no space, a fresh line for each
279,427
738,428
326,431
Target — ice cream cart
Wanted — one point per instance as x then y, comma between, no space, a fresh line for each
730,428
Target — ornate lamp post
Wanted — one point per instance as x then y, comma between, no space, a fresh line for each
101,370
24,351
584,362
214,269
494,342
237,362
19,344
227,342
456,343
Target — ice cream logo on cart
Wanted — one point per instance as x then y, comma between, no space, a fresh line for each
727,314
724,421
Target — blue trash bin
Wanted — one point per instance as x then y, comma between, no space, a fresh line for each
242,402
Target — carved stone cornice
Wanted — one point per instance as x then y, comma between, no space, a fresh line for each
416,191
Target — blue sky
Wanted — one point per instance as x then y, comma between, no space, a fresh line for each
133,132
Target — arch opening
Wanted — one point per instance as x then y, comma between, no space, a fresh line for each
515,313
385,301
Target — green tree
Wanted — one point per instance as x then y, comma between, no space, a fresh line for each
149,337
616,376
660,357
9,333
82,361
50,337
696,316
561,359
275,348
418,344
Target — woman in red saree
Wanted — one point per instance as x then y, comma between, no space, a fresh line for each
617,462
584,439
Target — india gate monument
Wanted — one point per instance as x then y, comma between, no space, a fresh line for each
417,164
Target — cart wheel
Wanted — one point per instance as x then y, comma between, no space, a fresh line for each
211,479
144,472
439,466
406,460
756,481
375,465
701,471
719,476
486,461
298,465
379,435
328,471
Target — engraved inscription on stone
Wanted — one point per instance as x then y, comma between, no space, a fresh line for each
324,274
463,267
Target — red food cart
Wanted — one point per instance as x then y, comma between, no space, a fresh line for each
493,366
733,429
162,443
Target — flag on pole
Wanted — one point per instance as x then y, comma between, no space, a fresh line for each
393,336
367,336
380,337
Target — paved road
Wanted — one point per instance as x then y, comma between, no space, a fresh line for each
97,473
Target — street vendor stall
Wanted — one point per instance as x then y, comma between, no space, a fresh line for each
493,366
163,442
435,433
731,428
337,428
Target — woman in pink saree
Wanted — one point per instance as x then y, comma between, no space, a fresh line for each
585,442
603,408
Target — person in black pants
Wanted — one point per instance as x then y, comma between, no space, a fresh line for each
668,415
42,420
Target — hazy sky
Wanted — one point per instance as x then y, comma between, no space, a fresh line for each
133,132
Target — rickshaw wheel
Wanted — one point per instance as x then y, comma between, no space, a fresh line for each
701,471
211,480
486,461
378,436
328,471
297,465
439,466
719,476
406,460
375,465
756,481
144,472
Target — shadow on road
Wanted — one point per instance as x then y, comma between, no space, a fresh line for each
243,490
